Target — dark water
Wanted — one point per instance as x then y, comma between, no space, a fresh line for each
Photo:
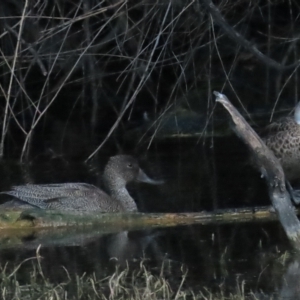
198,176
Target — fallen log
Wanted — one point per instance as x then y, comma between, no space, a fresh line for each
271,169
41,219
29,229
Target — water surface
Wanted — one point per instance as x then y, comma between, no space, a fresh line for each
198,176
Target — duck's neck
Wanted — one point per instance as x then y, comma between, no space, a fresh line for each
118,191
297,113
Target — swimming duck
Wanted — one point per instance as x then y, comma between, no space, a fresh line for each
283,138
120,170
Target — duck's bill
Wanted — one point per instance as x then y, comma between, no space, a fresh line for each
142,177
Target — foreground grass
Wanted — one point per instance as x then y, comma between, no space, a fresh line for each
122,284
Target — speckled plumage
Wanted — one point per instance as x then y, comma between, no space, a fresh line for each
283,138
119,170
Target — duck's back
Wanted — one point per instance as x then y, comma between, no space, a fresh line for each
283,138
66,197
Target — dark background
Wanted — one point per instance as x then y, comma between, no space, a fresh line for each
81,66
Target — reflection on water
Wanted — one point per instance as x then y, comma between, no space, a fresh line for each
196,178
215,256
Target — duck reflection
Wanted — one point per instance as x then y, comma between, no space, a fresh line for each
128,245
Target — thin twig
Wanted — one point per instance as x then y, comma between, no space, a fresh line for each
239,39
5,120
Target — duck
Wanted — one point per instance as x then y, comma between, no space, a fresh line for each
283,138
83,197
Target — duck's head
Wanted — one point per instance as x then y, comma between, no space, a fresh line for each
127,169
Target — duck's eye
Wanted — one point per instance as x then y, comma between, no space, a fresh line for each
129,165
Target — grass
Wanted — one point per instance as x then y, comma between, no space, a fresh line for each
122,284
